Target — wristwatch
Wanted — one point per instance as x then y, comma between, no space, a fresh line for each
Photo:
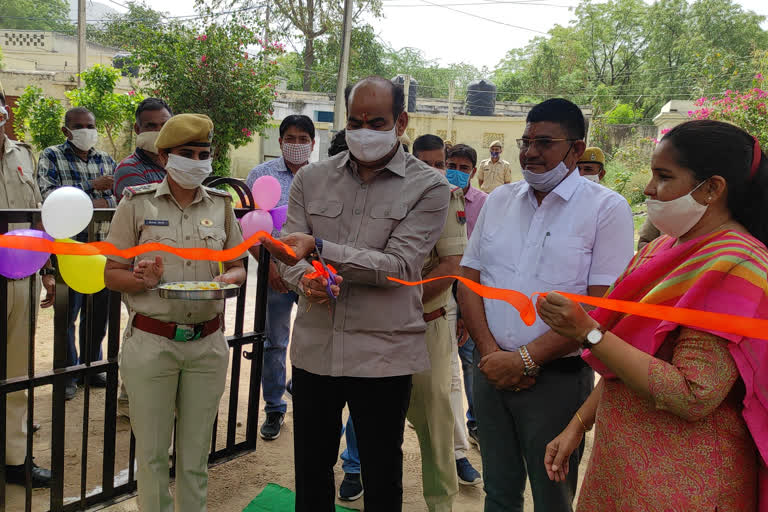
47,271
593,337
531,369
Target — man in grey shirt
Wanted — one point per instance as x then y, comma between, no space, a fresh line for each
371,212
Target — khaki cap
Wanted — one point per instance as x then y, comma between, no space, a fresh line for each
593,155
186,130
496,143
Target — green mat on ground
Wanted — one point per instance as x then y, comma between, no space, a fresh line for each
275,498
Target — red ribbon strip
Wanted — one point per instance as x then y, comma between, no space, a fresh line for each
732,324
107,249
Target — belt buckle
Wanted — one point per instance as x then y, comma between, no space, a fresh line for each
187,332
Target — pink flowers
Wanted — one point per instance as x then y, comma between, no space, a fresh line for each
759,77
131,93
247,132
203,60
665,131
202,38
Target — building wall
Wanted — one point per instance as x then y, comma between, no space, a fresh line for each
34,50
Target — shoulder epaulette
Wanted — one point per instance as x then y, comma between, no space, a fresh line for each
217,192
129,192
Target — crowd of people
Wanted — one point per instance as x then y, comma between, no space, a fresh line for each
680,413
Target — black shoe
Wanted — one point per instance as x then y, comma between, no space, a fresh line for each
70,391
270,430
41,478
99,380
351,487
289,389
474,437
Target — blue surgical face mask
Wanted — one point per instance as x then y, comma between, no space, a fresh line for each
457,178
495,154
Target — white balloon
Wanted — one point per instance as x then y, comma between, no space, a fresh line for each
66,212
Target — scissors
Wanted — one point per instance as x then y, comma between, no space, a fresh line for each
330,272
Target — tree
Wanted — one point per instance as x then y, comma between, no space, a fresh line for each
114,112
35,15
211,68
39,117
121,30
315,18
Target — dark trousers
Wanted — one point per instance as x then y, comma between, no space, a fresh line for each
515,428
377,407
99,319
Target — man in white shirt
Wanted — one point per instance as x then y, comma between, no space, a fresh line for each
552,231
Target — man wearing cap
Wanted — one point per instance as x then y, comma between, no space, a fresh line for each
76,163
174,354
143,166
592,164
494,172
19,190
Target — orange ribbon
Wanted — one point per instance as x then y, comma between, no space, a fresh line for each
107,249
732,324
320,271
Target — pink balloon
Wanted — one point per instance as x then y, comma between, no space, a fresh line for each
255,221
266,192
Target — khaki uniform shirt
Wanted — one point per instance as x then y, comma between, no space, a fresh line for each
370,231
496,174
648,233
150,213
452,242
19,189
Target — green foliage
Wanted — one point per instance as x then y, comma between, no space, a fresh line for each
121,29
34,14
114,112
629,169
209,69
39,117
623,113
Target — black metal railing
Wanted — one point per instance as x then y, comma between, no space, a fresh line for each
109,490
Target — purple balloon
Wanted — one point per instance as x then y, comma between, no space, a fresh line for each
18,263
279,216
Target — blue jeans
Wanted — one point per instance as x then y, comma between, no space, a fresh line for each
100,319
279,306
467,369
350,456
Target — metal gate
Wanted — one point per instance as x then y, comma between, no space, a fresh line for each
110,490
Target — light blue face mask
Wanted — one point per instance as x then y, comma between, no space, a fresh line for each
457,178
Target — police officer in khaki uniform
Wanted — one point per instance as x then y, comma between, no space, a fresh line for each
19,190
430,408
174,354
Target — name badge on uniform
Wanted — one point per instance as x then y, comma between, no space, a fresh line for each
461,217
156,222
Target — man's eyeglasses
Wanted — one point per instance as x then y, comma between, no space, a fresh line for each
541,144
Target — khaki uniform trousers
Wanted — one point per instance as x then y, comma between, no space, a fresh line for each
431,415
17,321
162,376
460,440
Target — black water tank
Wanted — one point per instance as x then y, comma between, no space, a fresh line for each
481,98
126,64
413,89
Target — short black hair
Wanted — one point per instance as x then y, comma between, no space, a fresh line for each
463,151
301,122
398,94
338,143
427,142
151,104
76,110
561,111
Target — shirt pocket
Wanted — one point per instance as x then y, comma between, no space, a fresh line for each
383,219
214,238
324,216
28,198
162,235
564,261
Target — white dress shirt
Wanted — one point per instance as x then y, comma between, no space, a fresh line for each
581,235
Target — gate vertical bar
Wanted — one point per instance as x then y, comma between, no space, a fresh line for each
58,413
110,410
3,368
257,356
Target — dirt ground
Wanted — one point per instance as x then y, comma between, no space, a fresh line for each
232,485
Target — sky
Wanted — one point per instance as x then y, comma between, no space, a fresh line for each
478,32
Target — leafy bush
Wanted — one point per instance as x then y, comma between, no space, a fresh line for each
623,113
39,117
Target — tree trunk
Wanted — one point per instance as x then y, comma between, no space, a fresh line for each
309,60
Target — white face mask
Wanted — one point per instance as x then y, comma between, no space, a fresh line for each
370,145
187,172
296,153
146,141
84,139
545,182
676,217
3,116
592,177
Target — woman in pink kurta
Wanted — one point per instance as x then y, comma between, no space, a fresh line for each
681,413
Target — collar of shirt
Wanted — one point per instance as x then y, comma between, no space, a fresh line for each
164,189
396,165
146,159
68,146
473,194
565,189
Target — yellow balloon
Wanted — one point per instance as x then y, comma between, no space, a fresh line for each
84,274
